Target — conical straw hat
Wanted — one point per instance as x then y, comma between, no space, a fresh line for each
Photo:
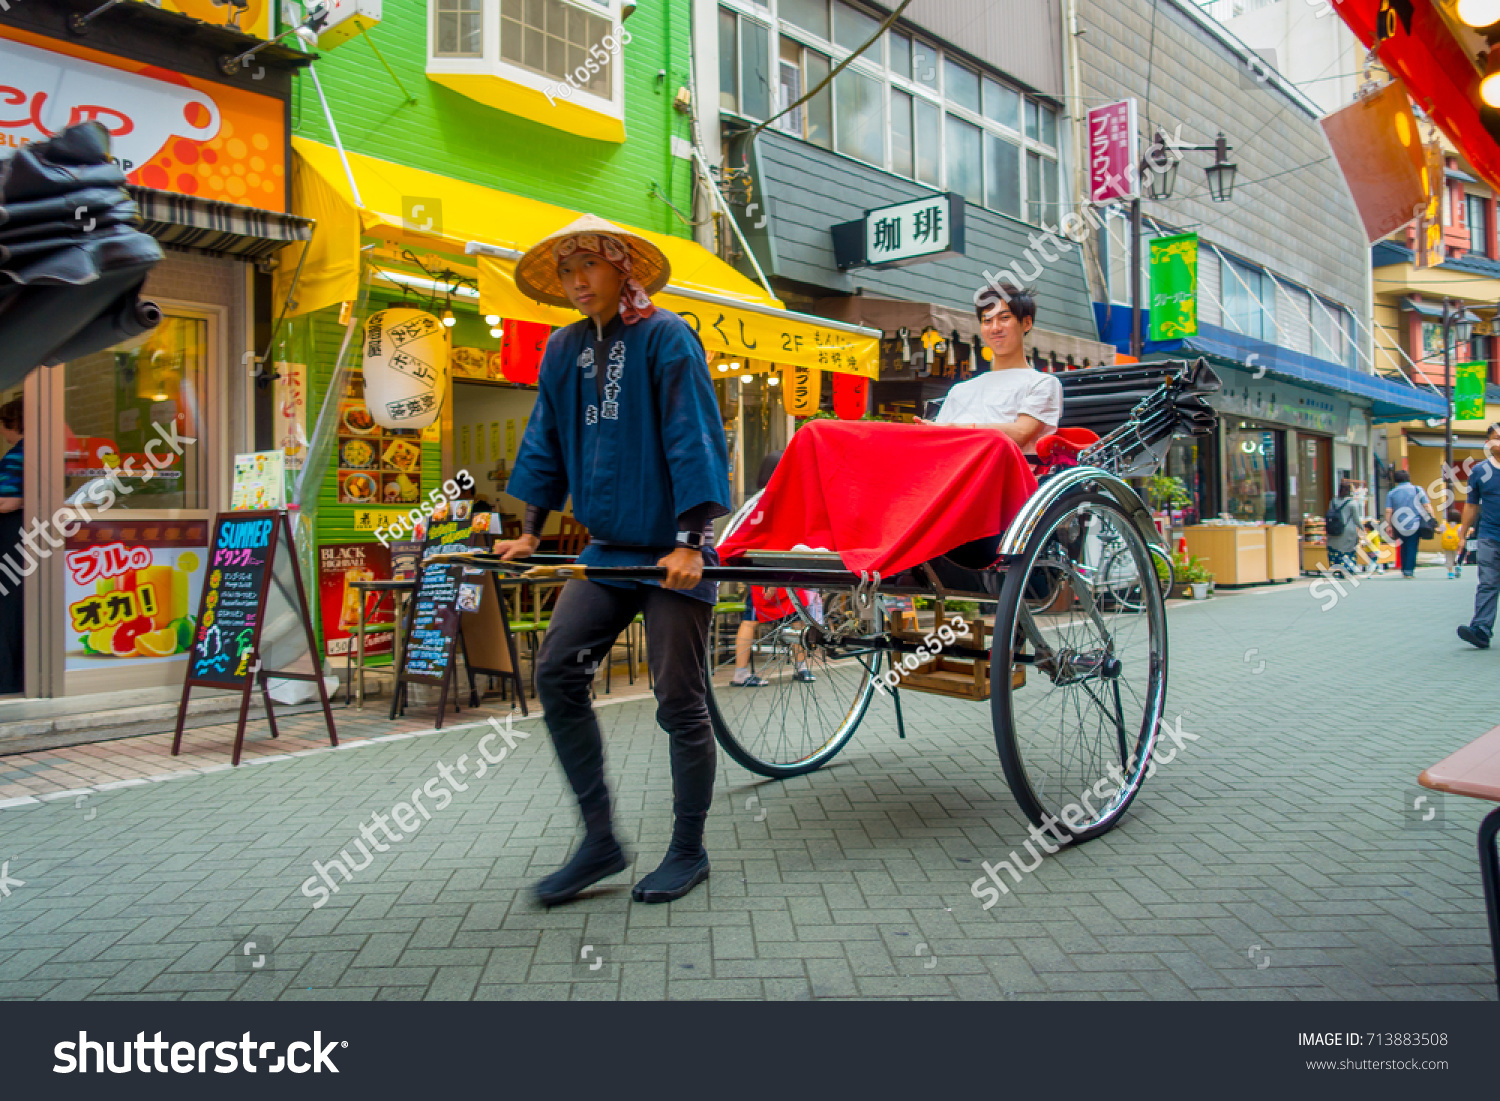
536,271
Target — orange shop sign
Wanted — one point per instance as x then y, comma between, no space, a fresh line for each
168,131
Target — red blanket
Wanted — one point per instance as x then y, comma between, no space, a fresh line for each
887,496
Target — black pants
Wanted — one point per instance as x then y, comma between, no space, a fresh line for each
12,616
584,626
1407,554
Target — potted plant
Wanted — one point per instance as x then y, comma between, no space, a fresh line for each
1198,578
1165,493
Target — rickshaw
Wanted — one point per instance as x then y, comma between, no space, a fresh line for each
1073,662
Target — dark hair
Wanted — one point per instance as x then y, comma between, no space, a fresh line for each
767,468
1401,476
11,415
1020,300
1346,487
1455,515
1369,525
1494,429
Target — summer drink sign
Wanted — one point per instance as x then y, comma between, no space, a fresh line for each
248,585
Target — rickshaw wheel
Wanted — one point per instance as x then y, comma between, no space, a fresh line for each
1077,736
791,726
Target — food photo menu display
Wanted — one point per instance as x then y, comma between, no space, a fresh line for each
376,466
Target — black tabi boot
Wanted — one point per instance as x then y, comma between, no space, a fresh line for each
598,857
683,868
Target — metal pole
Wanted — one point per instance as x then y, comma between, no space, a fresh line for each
1447,393
1136,343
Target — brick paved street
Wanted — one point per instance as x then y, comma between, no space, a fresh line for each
1276,858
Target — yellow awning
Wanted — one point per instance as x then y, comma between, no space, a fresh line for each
731,313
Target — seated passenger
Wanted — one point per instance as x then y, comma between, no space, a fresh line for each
1012,396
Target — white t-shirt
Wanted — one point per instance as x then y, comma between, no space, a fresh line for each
999,397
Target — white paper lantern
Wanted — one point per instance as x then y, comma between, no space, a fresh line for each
406,367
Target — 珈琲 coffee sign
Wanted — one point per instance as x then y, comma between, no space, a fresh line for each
168,131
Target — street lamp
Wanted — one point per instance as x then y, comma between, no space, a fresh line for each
1222,172
1158,172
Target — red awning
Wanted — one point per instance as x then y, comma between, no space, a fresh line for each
1435,59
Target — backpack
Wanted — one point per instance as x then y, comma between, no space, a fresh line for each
1450,542
1333,519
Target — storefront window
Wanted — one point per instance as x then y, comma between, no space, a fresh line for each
1254,477
131,412
1186,461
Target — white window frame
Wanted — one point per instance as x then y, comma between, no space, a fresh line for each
876,66
491,64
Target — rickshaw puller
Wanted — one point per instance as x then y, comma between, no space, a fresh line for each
627,423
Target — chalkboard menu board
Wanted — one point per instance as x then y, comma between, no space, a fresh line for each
253,614
239,559
434,612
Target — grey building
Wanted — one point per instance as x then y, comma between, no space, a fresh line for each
1283,299
959,103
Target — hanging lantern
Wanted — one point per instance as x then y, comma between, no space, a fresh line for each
406,367
802,391
521,350
851,396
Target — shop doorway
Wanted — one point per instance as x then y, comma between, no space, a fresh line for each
135,450
1313,488
489,419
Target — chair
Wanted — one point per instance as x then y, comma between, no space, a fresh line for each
735,610
572,537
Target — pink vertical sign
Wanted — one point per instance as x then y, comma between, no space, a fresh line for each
1113,151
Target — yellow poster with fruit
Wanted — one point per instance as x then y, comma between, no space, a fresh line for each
131,589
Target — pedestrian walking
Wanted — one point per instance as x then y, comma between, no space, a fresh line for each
1376,554
1341,525
626,422
1408,514
1482,516
1450,540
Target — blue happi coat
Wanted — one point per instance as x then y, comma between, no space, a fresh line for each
628,425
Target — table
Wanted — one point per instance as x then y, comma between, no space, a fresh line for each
400,592
1474,771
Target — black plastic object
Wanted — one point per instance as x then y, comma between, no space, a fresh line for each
72,262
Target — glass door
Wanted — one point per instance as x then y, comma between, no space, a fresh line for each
140,436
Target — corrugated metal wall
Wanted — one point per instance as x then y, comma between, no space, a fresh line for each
1005,33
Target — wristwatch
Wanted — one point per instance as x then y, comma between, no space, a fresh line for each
692,540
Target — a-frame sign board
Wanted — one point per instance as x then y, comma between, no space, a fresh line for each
436,620
253,614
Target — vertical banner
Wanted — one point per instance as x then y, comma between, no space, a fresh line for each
802,390
289,417
1174,287
1430,218
1114,151
1468,391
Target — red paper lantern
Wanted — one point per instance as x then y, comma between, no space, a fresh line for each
521,350
851,396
